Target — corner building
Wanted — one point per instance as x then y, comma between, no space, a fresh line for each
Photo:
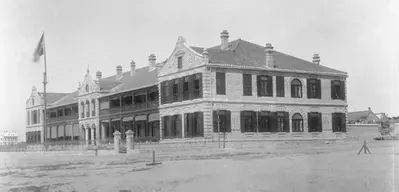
243,89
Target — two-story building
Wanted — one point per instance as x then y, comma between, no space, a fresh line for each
236,87
241,87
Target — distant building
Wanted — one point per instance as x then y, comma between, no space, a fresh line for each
8,137
363,117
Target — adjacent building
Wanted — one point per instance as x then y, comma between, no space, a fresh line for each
363,117
8,137
236,87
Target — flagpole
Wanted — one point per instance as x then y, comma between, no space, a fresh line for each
44,89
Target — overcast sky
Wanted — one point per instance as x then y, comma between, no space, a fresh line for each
356,36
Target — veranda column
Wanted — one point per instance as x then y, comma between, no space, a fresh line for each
72,126
102,130
87,136
92,136
182,125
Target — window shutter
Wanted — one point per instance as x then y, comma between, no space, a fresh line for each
186,132
215,121
343,122
223,83
190,87
242,123
162,93
319,122
318,88
286,122
308,87
280,86
191,121
164,126
254,120
333,120
269,86
309,122
180,89
258,84
170,87
200,85
332,90
343,95
178,126
273,122
228,121
244,84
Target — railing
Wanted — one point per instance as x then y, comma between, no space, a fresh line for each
140,105
63,118
153,103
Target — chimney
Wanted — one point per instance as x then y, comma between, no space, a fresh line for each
132,68
152,62
369,108
98,75
316,59
118,71
224,37
269,53
206,55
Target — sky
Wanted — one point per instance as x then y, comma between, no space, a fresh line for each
356,36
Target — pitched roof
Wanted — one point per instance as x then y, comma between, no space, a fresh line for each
142,77
53,97
358,115
244,53
66,100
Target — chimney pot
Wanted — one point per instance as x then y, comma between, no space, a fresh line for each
118,71
152,62
98,75
224,37
132,68
316,59
269,54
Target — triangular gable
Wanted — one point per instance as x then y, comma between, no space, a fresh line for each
190,58
88,86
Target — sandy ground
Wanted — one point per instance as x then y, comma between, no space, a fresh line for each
334,167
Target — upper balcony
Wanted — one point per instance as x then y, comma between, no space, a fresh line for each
63,114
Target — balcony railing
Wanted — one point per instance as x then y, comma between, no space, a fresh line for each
63,118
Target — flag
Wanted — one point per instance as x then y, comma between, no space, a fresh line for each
39,51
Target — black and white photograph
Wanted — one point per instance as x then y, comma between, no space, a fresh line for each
199,96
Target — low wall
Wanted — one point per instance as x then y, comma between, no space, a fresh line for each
363,131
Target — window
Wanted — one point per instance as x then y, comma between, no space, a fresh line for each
60,112
93,110
179,62
197,86
88,109
248,121
28,116
75,109
194,124
314,88
34,117
314,122
33,101
296,88
175,90
115,102
280,122
280,86
297,123
153,96
264,121
127,100
53,114
185,89
224,119
67,111
265,85
38,116
165,96
220,83
82,114
339,122
247,84
337,89
171,126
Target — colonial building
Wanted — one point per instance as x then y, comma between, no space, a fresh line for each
241,87
236,87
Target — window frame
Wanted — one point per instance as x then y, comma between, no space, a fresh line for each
265,85
296,123
247,84
179,62
220,83
296,89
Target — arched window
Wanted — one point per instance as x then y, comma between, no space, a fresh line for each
93,109
88,108
82,114
296,88
297,123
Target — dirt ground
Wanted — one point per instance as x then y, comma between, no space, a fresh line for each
309,167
